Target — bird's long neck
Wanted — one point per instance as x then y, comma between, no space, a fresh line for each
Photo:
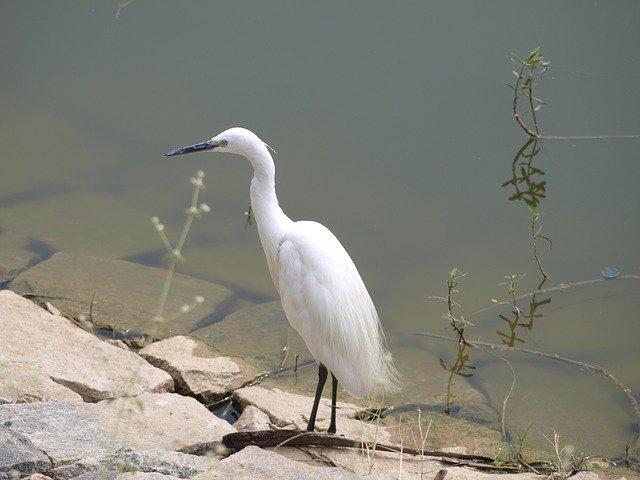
271,220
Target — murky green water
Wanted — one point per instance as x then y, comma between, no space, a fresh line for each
393,127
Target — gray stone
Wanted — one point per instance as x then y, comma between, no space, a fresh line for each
19,454
197,369
290,410
51,345
69,432
125,293
66,432
94,475
181,465
145,476
150,462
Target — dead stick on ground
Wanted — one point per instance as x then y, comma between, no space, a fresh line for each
275,438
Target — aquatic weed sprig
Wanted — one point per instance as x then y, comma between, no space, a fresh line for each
462,364
527,72
175,253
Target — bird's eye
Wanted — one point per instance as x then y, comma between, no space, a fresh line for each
223,143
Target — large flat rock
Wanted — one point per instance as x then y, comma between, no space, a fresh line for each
382,465
290,410
198,369
70,432
166,421
20,384
66,432
35,340
253,463
125,293
133,463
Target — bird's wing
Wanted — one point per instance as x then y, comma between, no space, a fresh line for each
327,302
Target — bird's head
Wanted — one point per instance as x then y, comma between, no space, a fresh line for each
235,140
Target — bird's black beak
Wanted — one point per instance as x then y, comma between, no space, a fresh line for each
196,147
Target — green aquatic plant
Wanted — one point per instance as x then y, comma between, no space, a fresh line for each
527,72
462,365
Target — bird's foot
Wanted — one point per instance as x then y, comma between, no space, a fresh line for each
316,427
297,427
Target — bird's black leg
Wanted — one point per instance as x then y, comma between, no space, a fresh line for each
334,395
322,378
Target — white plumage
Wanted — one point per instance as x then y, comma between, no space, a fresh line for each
321,290
328,304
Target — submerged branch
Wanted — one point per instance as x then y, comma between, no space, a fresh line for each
587,366
563,286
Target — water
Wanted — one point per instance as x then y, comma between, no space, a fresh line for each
393,127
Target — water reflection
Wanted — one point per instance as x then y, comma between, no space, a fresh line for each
527,186
530,188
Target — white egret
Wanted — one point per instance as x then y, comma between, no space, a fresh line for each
321,291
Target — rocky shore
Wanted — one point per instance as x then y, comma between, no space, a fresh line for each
75,406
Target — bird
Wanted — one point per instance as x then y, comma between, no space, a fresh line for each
322,294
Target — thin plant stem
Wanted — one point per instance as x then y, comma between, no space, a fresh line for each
535,66
166,286
187,224
193,211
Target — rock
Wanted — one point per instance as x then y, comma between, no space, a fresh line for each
167,421
252,418
384,465
258,334
129,460
164,462
125,293
51,345
118,343
37,476
585,476
197,369
19,454
285,409
20,384
253,463
65,432
145,476
95,475
72,434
